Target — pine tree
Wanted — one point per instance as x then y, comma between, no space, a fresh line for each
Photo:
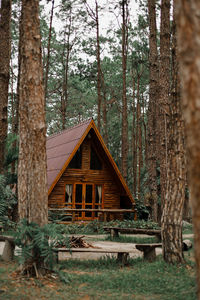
32,178
5,45
188,23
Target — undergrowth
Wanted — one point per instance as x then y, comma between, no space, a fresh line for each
104,279
97,227
131,239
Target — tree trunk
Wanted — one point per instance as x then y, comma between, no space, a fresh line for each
5,44
164,86
48,53
32,178
188,23
139,143
124,5
104,108
64,97
134,151
171,223
152,111
98,67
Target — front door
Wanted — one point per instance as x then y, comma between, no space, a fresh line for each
87,196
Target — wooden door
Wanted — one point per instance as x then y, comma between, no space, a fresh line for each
88,195
88,200
78,201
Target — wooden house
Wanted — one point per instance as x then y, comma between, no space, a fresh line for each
82,173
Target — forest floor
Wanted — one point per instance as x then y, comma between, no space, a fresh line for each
104,279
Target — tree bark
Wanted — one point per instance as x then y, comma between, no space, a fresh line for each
134,135
188,23
152,111
138,137
98,66
5,45
48,53
32,178
164,86
64,97
171,223
104,108
124,6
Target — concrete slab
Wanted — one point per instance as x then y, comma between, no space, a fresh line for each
105,245
93,239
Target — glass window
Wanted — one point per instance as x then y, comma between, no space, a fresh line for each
88,198
68,193
95,163
76,162
98,194
78,198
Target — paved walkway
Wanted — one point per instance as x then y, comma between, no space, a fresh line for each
93,239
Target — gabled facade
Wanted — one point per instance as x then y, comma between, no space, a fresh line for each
82,173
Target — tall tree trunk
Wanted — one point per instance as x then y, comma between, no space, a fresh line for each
171,223
32,178
188,23
124,5
64,96
98,66
138,134
164,86
5,44
94,14
104,108
144,157
48,53
152,110
134,133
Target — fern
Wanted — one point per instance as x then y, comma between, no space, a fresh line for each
38,244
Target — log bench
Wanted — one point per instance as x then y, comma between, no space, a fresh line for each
149,252
122,255
9,247
114,231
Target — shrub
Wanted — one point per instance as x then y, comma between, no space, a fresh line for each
7,201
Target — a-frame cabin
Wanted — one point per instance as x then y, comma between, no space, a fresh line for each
82,173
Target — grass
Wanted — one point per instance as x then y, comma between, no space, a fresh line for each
131,239
103,279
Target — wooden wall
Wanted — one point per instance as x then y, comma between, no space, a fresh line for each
104,177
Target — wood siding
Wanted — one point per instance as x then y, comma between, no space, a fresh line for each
104,177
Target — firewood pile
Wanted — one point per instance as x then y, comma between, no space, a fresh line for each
78,242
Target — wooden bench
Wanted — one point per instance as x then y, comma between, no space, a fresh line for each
122,255
9,247
114,231
149,252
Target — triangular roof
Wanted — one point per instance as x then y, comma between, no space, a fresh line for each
61,148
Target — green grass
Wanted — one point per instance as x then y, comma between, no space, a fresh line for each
131,239
149,280
188,230
104,279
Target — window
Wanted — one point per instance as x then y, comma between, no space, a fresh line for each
98,198
95,163
76,162
68,195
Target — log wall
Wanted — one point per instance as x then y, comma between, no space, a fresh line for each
103,177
